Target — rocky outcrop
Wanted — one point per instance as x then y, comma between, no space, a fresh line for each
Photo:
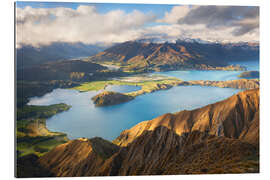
107,98
250,74
238,84
218,138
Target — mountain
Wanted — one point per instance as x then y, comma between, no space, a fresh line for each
145,56
59,70
219,138
78,154
28,55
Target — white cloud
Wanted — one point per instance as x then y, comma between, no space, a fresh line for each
176,13
174,31
214,23
37,26
42,26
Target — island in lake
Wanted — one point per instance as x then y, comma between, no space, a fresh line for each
250,74
128,92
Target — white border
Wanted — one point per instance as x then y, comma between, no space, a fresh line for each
7,86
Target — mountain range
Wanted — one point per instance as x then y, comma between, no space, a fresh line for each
218,138
59,70
28,55
148,56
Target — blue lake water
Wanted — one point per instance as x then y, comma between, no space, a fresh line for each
212,75
202,75
86,120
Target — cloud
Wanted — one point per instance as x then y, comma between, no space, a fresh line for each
39,26
243,19
175,14
215,23
198,31
42,26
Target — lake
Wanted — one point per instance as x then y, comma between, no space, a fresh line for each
212,75
86,120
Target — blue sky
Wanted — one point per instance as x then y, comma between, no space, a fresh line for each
158,9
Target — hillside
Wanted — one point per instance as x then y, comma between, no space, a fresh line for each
76,70
141,56
218,138
28,55
77,154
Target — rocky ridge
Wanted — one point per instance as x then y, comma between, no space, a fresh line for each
179,143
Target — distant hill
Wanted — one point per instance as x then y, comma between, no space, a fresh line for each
75,70
29,55
141,55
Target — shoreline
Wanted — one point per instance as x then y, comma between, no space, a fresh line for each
236,84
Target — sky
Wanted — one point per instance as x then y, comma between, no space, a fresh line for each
42,23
